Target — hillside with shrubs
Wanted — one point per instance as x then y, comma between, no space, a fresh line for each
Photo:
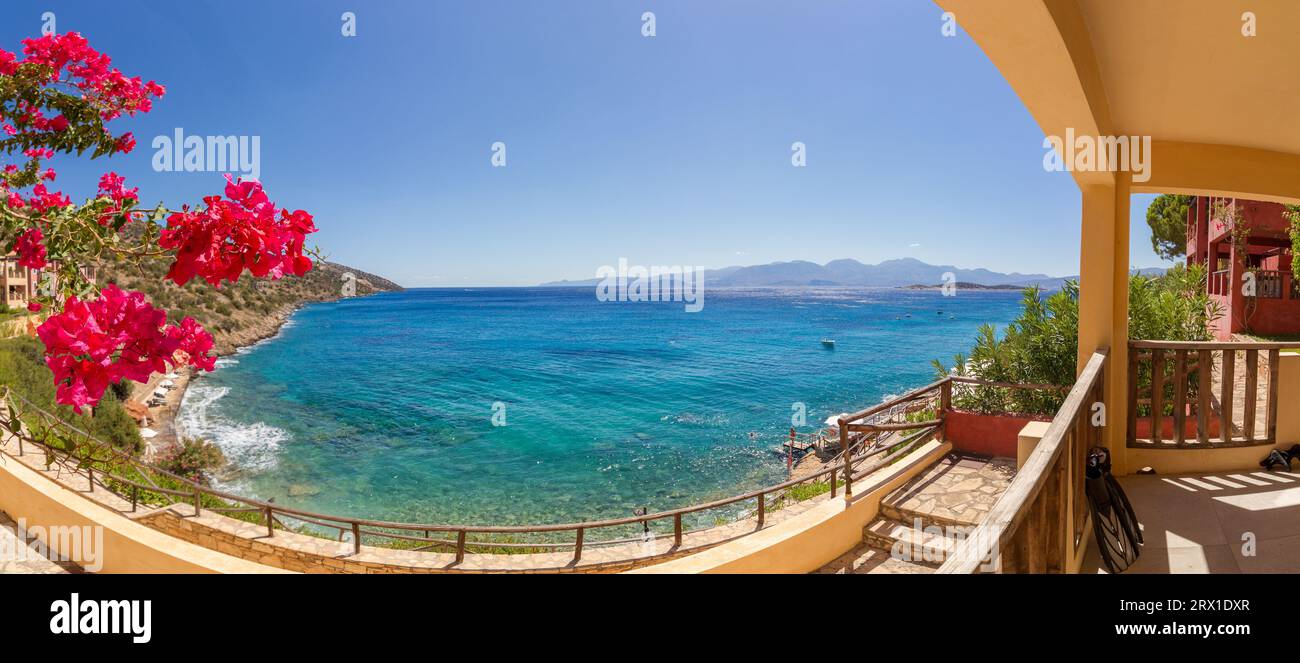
241,313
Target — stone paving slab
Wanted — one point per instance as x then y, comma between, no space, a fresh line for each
29,557
958,490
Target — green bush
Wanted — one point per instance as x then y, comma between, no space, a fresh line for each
192,458
111,423
1041,345
22,369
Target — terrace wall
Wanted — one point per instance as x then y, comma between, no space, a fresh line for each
985,434
128,546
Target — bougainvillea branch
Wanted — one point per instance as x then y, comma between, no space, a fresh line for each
58,97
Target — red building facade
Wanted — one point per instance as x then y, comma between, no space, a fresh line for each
1266,254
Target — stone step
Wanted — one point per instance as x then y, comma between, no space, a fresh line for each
926,548
905,515
864,559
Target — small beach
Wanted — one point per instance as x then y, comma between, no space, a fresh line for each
163,418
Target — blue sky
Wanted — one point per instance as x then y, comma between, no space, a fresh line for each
666,150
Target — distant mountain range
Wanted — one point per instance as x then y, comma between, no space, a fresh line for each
900,272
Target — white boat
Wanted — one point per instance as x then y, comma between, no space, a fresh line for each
826,342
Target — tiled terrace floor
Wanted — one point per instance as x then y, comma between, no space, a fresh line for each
1203,523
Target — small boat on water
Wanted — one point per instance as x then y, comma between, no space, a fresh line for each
828,343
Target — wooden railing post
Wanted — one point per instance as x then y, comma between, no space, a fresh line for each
198,502
762,509
1251,395
1157,394
834,488
848,457
460,546
1227,389
135,496
677,530
1203,376
1131,429
356,538
848,477
270,521
577,547
1274,356
1180,396
1054,527
789,454
945,404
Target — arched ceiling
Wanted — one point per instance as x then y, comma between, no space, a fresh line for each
1223,109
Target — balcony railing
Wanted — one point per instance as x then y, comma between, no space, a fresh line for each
1220,282
1268,284
1037,525
1177,400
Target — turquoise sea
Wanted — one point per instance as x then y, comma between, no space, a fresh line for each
382,407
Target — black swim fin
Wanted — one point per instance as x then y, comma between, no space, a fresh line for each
1115,525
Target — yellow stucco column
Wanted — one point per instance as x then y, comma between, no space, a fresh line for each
1103,300
1288,392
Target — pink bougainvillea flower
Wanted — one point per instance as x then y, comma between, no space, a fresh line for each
7,64
113,186
125,144
90,72
116,335
43,199
31,252
243,231
119,335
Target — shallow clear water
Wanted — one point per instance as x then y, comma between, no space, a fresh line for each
382,407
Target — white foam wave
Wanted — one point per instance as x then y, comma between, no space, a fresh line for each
253,447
